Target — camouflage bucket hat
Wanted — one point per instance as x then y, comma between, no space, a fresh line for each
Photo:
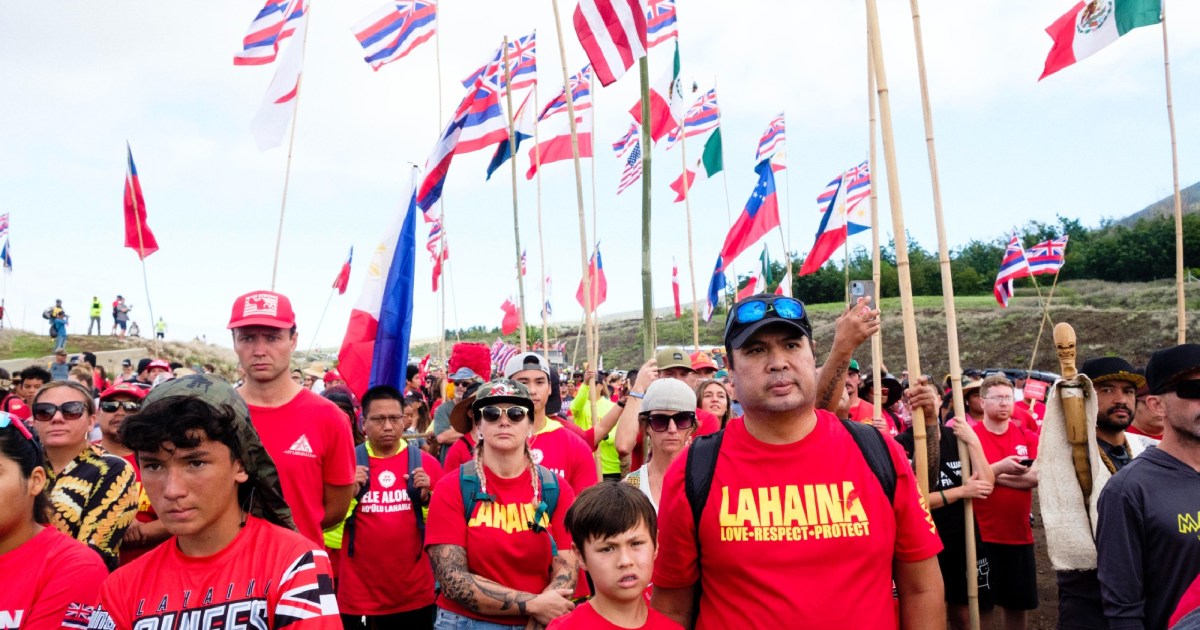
267,499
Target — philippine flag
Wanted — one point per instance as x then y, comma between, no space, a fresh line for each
375,348
831,235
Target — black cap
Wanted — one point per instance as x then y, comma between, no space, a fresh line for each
142,365
1169,365
738,333
1112,369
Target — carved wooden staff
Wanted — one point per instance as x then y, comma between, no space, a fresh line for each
1074,411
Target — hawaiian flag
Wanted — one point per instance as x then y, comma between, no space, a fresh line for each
557,145
77,616
437,250
599,283
1047,257
760,216
274,23
138,236
523,262
478,123
857,182
660,22
771,145
395,29
613,35
704,116
3,224
522,65
343,277
1012,267
675,288
581,95
629,147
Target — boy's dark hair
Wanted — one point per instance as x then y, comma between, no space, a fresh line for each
410,372
35,372
607,509
184,422
380,392
90,358
175,365
27,455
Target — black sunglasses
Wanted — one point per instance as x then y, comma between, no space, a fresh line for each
72,410
660,422
112,406
493,413
1188,390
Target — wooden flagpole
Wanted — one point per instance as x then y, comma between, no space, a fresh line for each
437,47
1180,305
787,178
588,315
1042,326
687,205
649,330
287,173
512,147
316,330
846,263
877,338
537,156
596,234
951,321
911,351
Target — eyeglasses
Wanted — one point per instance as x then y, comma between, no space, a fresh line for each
660,422
72,410
113,405
1188,390
7,420
385,419
492,413
999,399
751,311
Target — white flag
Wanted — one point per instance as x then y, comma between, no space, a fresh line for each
271,122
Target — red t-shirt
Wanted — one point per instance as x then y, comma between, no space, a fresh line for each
53,580
1031,421
386,536
706,422
584,617
1134,430
1004,515
863,412
566,454
268,577
1189,602
309,440
145,513
499,543
16,406
794,535
459,454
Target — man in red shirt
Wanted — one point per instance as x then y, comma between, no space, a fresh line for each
860,410
1004,516
226,567
797,529
18,402
551,445
307,436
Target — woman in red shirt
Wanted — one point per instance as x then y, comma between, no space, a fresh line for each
506,560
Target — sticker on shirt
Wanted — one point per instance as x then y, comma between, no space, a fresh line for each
301,447
793,513
510,517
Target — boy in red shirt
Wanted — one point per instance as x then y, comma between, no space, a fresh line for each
614,531
552,444
203,467
1004,516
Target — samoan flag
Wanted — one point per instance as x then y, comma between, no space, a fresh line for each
1012,267
395,29
478,123
660,22
274,23
375,348
715,287
522,65
760,216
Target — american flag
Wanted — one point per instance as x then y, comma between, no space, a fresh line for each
703,117
613,35
395,29
273,24
660,22
581,94
771,146
629,146
1047,257
522,65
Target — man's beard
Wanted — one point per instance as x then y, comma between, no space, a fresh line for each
1105,421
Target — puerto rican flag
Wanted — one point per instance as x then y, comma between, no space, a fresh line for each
395,29
1013,266
478,123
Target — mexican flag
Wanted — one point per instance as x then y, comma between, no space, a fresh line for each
667,105
710,163
1093,24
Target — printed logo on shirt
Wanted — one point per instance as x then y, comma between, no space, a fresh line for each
11,618
387,479
385,501
793,513
100,620
537,455
301,447
510,517
77,616
1022,451
1189,523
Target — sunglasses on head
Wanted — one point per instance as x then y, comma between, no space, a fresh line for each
113,405
7,420
755,309
1188,390
493,413
660,422
72,410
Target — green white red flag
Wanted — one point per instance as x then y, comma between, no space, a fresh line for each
1093,24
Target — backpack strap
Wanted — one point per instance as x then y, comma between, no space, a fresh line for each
468,485
361,458
549,483
414,493
697,482
871,442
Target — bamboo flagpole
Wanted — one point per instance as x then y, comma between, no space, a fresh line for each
512,146
951,321
537,156
787,178
287,173
588,315
911,351
687,205
1042,326
877,338
649,331
437,47
1180,305
725,177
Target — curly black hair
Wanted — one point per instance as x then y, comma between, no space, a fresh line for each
27,454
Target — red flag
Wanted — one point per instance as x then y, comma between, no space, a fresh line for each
343,277
613,34
138,236
512,317
675,288
677,185
748,290
599,283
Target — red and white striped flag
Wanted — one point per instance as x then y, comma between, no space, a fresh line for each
675,288
613,34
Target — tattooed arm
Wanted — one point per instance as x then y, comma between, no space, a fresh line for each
854,327
486,597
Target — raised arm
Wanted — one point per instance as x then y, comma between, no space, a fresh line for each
627,426
854,327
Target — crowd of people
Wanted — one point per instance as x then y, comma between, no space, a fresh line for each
121,324
762,489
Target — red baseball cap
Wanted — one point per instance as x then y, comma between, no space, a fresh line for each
332,375
262,308
124,388
160,364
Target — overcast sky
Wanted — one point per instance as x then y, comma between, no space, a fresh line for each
78,80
